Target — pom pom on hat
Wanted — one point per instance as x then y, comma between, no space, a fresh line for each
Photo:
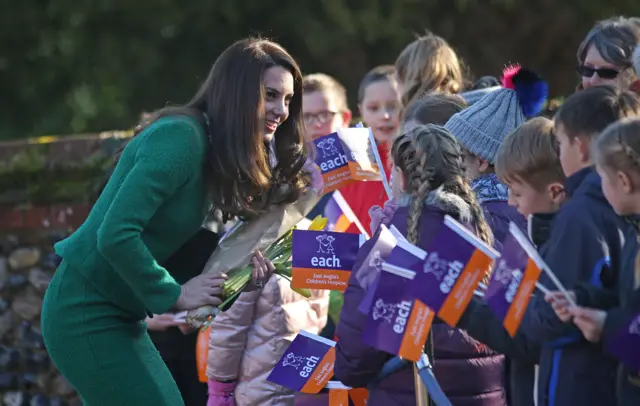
482,127
530,89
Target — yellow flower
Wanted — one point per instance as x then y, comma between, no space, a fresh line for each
318,223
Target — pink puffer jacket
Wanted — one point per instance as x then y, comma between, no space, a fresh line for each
248,339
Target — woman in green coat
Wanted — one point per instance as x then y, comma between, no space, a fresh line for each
237,146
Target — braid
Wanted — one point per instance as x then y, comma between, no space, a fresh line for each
628,151
482,229
618,146
430,157
420,185
410,157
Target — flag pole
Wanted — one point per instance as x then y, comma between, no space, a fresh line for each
422,397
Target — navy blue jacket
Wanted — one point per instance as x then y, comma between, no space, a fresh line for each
622,304
584,235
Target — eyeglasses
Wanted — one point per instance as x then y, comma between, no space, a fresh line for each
604,73
320,118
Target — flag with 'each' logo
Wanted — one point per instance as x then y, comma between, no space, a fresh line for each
513,280
323,259
346,156
455,264
397,323
307,365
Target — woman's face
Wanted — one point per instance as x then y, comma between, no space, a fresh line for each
597,71
278,88
380,109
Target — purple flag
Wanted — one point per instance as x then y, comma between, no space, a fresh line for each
307,365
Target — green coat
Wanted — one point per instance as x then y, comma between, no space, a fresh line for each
110,277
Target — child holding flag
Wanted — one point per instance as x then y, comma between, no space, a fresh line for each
379,105
430,171
587,227
617,325
529,164
481,130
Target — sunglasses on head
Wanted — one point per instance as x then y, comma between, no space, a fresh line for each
604,73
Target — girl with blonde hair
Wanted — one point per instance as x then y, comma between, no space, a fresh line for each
427,65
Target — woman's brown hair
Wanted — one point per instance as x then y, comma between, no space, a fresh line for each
230,105
431,158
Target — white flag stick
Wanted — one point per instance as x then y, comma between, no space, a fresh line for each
376,154
535,256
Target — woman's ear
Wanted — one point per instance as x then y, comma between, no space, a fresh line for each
635,87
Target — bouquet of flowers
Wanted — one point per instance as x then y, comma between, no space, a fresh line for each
270,233
279,253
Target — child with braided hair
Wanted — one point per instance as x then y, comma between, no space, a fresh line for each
426,159
602,314
429,173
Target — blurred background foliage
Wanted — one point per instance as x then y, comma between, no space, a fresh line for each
94,65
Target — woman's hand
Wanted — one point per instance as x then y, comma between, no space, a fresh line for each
560,304
589,321
262,271
160,322
203,290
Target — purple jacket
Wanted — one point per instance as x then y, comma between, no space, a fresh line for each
498,215
469,373
493,197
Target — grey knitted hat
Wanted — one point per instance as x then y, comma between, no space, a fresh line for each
473,96
482,127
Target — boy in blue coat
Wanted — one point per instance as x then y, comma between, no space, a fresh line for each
584,235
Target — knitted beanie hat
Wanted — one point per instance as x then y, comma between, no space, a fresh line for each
474,96
482,127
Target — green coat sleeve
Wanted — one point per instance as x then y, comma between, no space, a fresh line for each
165,160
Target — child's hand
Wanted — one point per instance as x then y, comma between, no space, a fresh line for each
560,304
221,393
262,271
380,215
589,321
